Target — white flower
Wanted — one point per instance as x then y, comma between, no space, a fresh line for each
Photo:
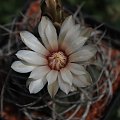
56,61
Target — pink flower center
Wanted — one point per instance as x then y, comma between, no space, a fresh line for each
57,60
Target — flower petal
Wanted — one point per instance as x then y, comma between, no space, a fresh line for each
20,67
36,85
71,35
82,80
66,26
39,72
66,75
75,45
53,88
77,69
32,42
51,35
86,53
52,76
29,80
41,29
65,87
77,82
31,57
86,31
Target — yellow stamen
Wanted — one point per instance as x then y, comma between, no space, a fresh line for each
57,60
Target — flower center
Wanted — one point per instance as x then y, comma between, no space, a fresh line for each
57,60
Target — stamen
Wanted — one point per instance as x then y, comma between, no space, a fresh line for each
57,60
